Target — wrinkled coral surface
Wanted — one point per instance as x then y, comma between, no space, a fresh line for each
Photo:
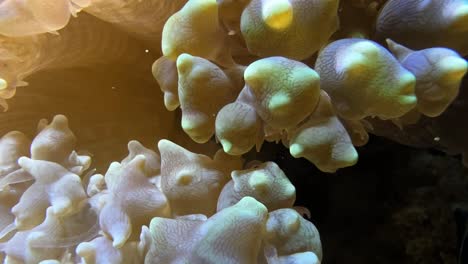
130,214
237,72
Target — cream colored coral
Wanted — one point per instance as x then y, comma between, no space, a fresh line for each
303,257
13,179
284,91
152,159
421,25
101,251
289,233
203,89
54,186
195,30
13,145
171,240
438,72
266,182
191,182
8,198
243,223
323,140
131,201
290,28
279,93
238,128
270,107
50,239
240,226
364,79
165,72
123,201
248,232
55,142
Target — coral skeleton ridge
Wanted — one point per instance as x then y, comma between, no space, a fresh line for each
227,75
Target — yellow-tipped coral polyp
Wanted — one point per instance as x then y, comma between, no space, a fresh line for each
277,14
231,74
438,73
364,79
292,28
432,24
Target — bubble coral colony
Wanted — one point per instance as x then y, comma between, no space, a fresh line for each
242,72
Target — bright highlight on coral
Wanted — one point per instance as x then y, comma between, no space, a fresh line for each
277,14
232,74
3,84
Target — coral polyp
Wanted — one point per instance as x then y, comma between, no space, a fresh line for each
195,91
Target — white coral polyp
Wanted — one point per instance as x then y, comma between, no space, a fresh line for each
174,193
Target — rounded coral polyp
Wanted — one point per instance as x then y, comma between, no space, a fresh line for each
231,74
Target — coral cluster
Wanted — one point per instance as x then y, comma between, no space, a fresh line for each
307,73
319,112
203,42
174,206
